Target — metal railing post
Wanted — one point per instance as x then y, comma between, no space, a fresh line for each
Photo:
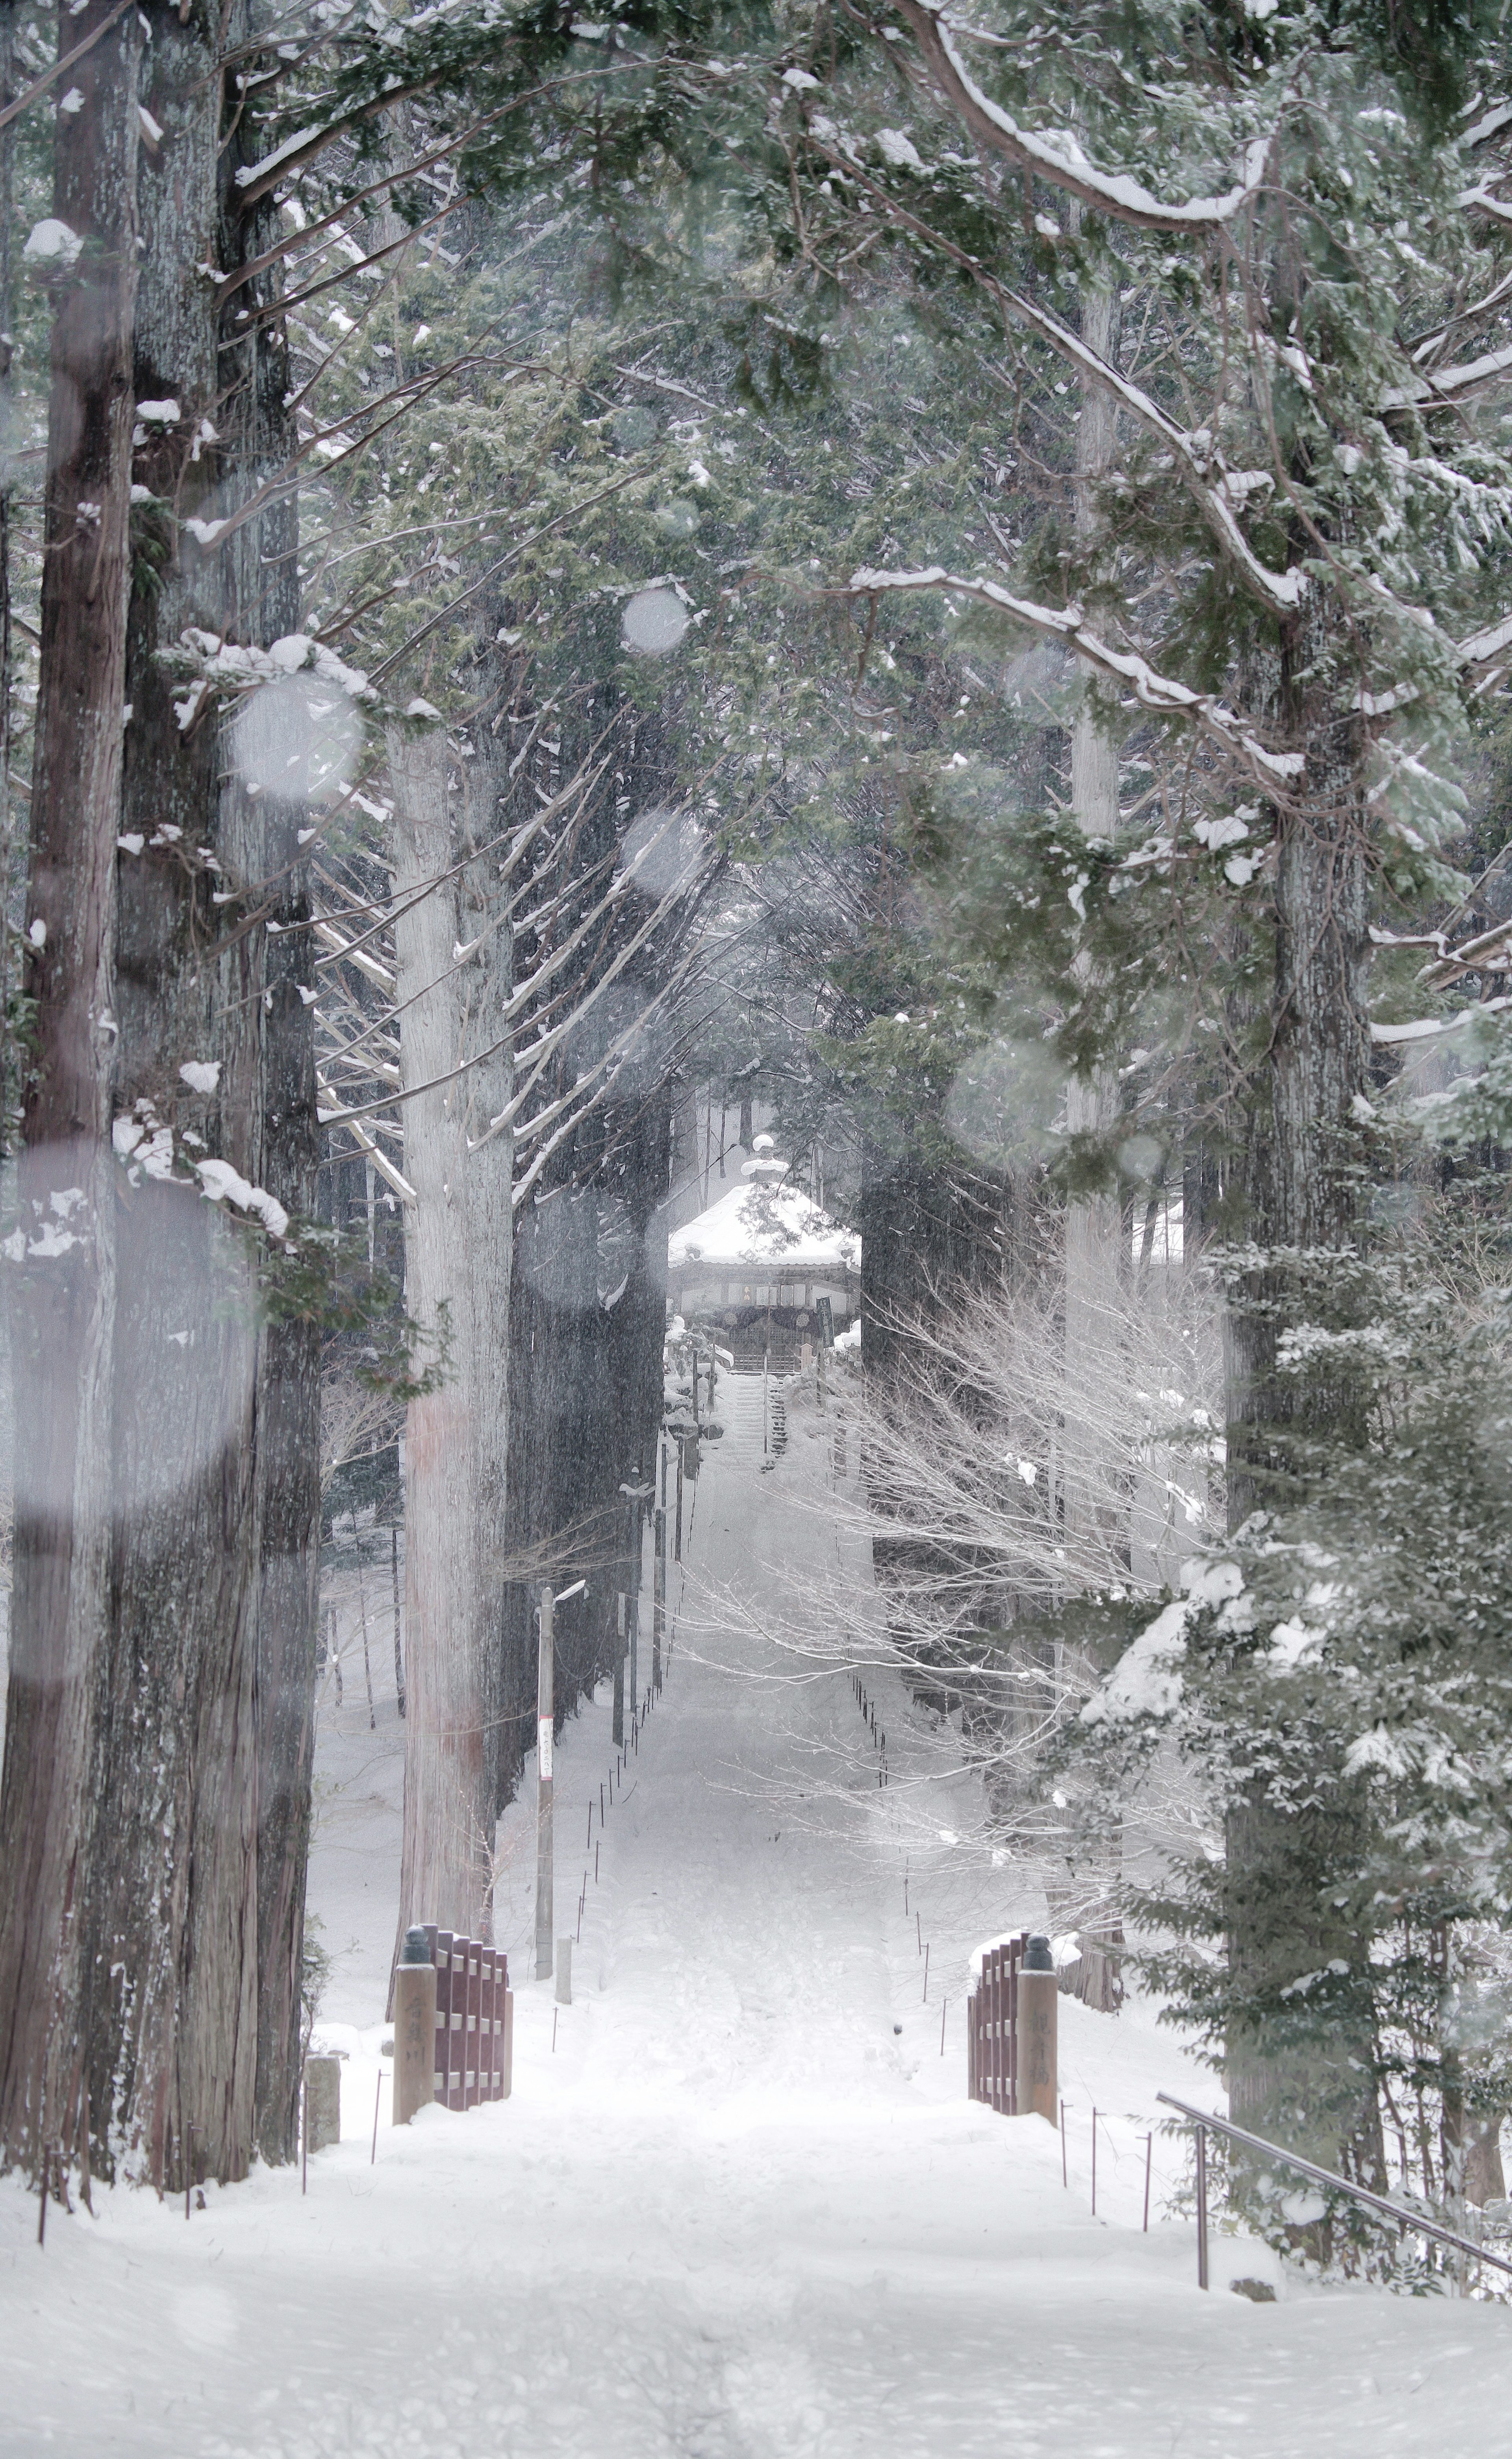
1202,2206
1412,2222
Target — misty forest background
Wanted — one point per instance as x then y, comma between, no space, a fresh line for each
572,588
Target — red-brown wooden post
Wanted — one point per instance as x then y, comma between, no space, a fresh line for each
473,2060
502,1986
484,2034
485,2082
1005,1978
442,1964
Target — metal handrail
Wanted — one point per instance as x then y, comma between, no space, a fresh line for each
1397,2212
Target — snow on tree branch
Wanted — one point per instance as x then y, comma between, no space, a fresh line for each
1159,693
1282,591
1057,155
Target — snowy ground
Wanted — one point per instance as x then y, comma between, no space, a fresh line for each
743,2209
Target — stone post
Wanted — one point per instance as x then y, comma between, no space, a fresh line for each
322,2103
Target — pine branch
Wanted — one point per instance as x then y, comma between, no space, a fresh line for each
1057,155
1272,771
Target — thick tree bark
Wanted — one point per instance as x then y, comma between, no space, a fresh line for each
202,1755
1302,1194
9,80
63,1287
263,833
927,1224
445,1873
171,2030
488,1189
1093,1313
556,1511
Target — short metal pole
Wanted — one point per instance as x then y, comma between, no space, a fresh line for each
47,2160
944,2003
1149,2153
1202,2206
1064,2181
616,1727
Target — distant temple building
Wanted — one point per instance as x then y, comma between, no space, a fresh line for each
760,1260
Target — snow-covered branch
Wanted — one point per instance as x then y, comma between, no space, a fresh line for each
1274,770
1057,155
379,1159
1281,591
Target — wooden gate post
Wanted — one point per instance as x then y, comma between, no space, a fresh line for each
1038,2000
414,2028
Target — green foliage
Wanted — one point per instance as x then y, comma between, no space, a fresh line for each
321,1277
1338,1682
316,1965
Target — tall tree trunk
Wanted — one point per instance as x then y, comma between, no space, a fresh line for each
10,15
445,1872
63,1285
171,2035
202,1755
1315,2090
1092,1295
554,1499
263,835
489,1188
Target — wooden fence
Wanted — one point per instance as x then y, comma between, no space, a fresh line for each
475,2033
992,2027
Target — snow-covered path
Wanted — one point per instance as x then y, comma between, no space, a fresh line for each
742,2210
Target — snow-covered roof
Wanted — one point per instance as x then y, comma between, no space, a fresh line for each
767,1227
